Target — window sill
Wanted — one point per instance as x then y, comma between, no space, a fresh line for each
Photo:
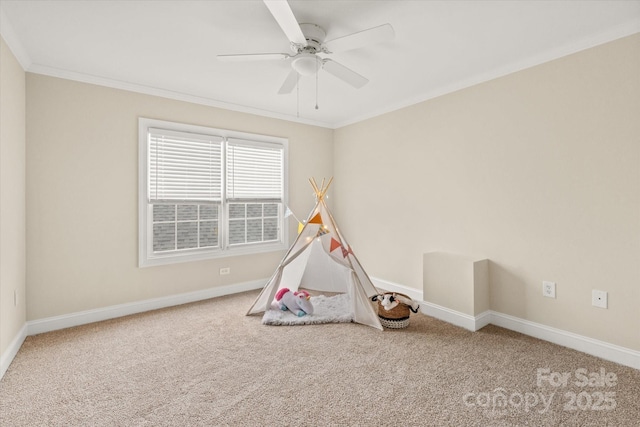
175,258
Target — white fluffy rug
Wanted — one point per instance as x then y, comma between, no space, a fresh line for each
334,309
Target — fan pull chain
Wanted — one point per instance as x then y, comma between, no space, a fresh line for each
298,96
317,72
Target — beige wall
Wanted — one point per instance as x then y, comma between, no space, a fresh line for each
82,195
12,197
538,171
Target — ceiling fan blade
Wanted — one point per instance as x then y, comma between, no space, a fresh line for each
283,14
243,57
362,38
289,83
345,74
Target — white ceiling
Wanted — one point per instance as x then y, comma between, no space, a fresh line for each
169,48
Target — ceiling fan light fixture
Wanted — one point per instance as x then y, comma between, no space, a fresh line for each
307,64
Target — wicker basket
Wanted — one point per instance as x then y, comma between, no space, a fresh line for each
394,324
397,317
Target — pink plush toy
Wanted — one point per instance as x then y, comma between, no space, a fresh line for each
298,302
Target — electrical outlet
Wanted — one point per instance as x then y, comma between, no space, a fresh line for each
225,270
548,289
599,298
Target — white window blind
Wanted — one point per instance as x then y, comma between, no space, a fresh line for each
254,171
184,167
208,193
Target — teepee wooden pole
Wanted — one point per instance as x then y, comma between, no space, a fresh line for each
325,189
314,186
322,190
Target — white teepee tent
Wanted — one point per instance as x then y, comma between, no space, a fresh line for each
320,259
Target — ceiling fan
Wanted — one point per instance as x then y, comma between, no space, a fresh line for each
308,43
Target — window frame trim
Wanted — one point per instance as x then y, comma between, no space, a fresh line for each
147,258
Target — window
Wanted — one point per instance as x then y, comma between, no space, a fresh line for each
207,193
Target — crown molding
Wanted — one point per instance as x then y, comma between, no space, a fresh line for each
163,93
558,52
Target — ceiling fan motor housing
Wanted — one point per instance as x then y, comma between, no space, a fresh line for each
314,35
305,62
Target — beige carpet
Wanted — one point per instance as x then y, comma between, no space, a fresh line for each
206,364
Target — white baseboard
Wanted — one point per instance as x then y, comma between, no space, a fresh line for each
604,350
445,314
482,320
90,316
54,323
415,294
8,356
434,310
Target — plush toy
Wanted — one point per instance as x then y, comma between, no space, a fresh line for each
389,301
298,302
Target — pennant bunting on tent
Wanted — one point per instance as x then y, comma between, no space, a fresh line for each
344,252
322,231
300,227
350,250
334,245
317,219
